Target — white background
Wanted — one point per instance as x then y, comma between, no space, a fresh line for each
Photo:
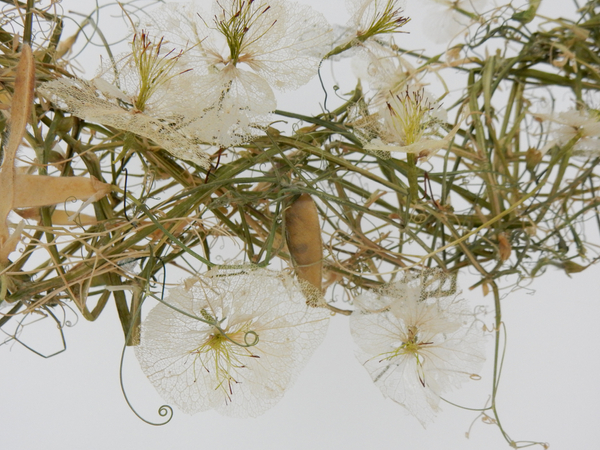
549,390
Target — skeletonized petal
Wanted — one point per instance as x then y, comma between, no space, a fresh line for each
194,367
86,101
417,341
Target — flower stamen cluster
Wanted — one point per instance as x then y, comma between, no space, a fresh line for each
154,69
412,347
411,114
235,25
408,122
385,20
223,350
370,18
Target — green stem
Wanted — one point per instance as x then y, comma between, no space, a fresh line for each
498,360
413,186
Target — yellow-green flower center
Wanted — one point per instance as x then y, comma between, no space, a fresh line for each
385,21
153,68
410,113
411,345
236,24
223,352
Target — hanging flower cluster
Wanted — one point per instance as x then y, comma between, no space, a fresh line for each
331,198
232,340
239,52
208,79
417,341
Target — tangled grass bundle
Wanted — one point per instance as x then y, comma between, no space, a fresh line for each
503,180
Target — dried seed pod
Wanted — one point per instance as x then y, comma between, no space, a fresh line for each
303,236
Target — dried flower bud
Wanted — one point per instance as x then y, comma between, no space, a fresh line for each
504,247
533,158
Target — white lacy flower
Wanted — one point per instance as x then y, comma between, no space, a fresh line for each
239,52
417,341
199,366
384,70
133,95
567,125
409,122
447,18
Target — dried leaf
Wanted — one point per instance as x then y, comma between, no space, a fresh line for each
59,217
19,115
573,267
38,190
66,46
30,191
533,157
485,287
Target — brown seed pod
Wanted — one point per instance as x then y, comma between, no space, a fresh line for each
303,236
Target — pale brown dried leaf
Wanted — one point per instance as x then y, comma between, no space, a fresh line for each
19,115
38,190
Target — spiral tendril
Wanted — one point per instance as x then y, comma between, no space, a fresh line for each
163,410
254,342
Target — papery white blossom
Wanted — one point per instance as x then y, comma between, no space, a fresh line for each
240,51
133,95
567,125
409,122
417,340
385,71
448,18
260,334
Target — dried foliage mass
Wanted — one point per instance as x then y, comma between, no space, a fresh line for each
176,153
